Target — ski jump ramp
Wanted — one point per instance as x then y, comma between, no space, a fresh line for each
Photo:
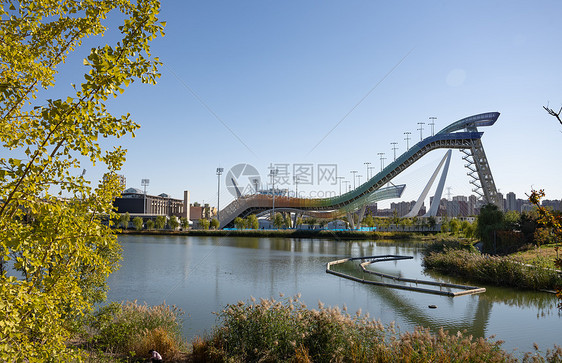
462,134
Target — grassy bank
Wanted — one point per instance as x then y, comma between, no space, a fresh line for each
545,254
286,233
511,271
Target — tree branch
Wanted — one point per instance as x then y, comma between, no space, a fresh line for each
551,112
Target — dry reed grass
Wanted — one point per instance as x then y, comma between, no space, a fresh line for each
287,331
131,329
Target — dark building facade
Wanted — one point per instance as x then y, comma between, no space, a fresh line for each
134,201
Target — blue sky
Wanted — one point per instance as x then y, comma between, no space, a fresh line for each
272,78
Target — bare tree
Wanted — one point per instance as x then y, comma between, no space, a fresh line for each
551,112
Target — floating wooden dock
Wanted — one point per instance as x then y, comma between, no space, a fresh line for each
466,290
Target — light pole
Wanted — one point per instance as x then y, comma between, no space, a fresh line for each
421,129
367,165
273,174
381,156
394,148
432,123
353,172
372,168
219,173
359,178
144,183
407,138
256,181
346,182
296,181
340,178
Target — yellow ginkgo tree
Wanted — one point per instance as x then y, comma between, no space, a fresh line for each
55,252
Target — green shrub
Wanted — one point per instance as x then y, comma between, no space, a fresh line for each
449,244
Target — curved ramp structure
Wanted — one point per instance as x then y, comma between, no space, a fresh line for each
258,203
445,288
462,134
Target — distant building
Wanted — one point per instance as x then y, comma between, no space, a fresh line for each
511,202
462,207
554,204
371,209
442,209
402,208
460,198
458,207
523,205
197,211
473,205
387,212
135,202
502,201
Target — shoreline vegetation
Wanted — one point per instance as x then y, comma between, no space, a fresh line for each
284,330
464,261
290,233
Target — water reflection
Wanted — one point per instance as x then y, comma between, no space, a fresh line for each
473,318
203,274
544,303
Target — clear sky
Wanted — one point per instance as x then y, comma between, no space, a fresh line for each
263,82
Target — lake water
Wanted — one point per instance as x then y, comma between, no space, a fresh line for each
203,274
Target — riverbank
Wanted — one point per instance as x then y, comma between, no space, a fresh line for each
292,233
282,331
521,270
